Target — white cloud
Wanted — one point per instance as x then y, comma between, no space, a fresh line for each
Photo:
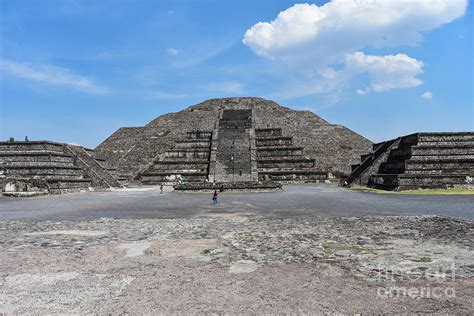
385,72
172,51
339,27
427,95
382,72
51,75
323,44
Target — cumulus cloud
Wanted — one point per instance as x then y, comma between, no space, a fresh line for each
344,26
315,40
385,72
51,75
427,95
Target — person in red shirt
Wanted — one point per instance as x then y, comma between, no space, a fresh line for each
214,197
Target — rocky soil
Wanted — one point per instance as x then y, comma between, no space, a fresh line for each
228,263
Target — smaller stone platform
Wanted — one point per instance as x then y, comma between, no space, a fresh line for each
418,161
229,186
45,167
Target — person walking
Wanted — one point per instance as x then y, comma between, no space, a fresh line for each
161,189
214,197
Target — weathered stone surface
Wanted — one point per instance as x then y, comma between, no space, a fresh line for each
230,262
333,147
421,160
48,167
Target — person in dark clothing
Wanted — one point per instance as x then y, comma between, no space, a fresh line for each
214,197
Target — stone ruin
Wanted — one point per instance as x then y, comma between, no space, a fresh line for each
43,167
233,142
421,160
239,143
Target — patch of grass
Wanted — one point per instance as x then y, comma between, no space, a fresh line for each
454,191
206,252
327,247
422,259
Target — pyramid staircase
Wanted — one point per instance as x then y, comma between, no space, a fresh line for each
233,154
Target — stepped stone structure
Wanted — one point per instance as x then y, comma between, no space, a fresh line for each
50,167
233,140
421,160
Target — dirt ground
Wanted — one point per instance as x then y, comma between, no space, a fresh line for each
234,263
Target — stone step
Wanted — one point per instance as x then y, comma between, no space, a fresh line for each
462,143
45,171
279,151
280,158
164,173
274,141
446,137
267,132
31,146
425,181
185,161
293,175
440,171
157,179
199,135
431,158
439,164
285,169
193,149
283,159
188,154
35,158
446,165
269,138
235,124
193,140
236,114
37,164
431,150
302,163
229,186
68,184
194,144
177,169
34,153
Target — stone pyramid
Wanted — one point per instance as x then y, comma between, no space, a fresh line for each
233,139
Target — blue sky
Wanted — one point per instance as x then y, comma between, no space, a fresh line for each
75,71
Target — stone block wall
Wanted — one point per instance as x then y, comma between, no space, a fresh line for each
423,160
49,167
